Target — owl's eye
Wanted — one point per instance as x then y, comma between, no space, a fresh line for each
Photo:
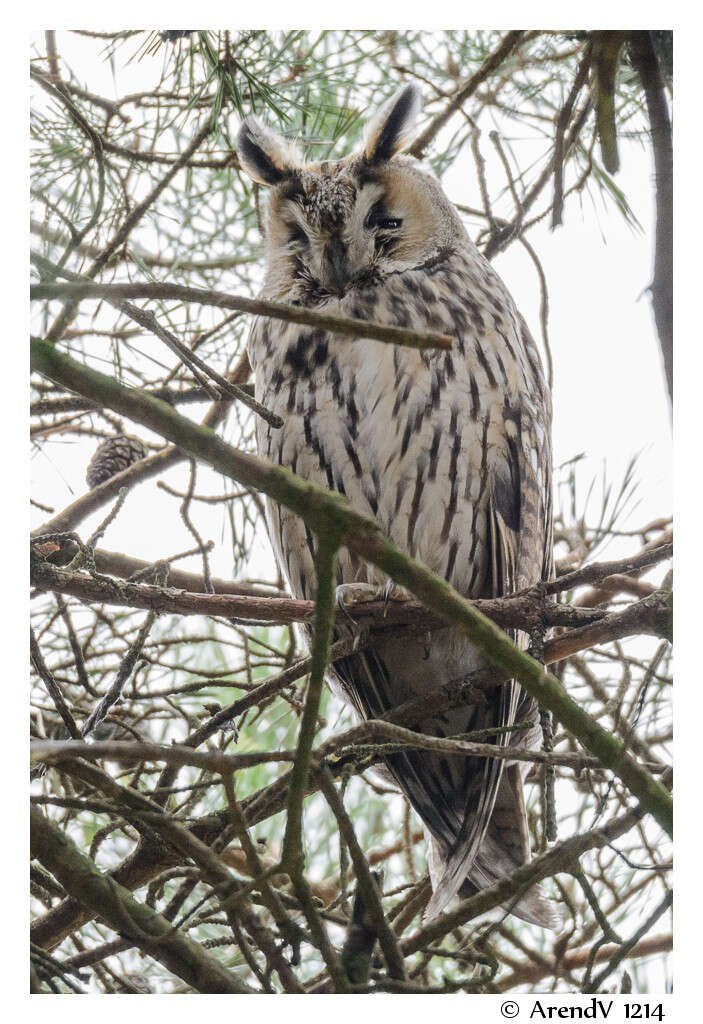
379,220
389,223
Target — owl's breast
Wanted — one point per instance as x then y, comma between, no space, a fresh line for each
412,439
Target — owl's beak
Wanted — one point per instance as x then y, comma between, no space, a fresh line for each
335,267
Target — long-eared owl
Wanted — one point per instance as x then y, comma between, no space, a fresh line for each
448,451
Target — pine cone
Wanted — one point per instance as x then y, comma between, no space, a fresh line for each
112,456
171,35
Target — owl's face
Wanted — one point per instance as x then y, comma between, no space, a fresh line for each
337,226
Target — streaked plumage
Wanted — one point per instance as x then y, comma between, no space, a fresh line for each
448,451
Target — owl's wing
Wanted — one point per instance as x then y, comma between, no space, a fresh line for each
520,542
480,804
470,803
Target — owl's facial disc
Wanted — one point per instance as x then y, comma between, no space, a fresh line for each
341,233
338,225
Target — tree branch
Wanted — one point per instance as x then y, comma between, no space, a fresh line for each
120,237
531,973
74,514
350,327
651,615
325,565
367,886
149,931
645,60
328,515
464,92
560,858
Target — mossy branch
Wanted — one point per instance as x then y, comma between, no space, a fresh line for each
113,903
293,857
328,515
367,886
325,564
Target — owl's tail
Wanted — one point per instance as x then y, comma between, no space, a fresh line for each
504,848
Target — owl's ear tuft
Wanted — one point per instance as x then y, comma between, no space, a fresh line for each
392,128
264,155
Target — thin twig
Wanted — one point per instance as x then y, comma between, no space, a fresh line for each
68,312
465,91
52,687
645,60
348,326
372,900
123,674
627,947
562,122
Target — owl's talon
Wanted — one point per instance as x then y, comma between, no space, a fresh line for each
393,592
348,594
342,604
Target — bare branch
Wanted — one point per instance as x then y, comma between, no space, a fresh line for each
147,930
350,327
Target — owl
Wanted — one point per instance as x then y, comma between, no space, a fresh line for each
448,451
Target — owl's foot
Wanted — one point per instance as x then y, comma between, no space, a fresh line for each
348,594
